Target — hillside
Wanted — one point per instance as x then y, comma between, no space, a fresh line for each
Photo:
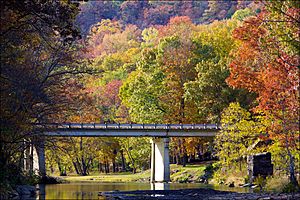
149,13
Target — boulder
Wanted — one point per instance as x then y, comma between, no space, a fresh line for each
26,190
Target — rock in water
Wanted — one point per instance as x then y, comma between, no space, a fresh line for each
26,190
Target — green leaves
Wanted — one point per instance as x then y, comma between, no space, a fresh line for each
239,132
242,14
141,93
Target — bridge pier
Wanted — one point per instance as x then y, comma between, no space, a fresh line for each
160,163
34,158
40,148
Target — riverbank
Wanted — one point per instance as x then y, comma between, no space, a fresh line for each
196,173
111,177
194,194
179,174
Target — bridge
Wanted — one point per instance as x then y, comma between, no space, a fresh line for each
159,133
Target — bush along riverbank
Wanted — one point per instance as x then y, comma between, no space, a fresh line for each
237,176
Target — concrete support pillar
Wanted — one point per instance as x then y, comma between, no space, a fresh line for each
34,158
34,168
27,159
160,186
160,163
152,177
40,148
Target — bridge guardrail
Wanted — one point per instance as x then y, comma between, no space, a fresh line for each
130,126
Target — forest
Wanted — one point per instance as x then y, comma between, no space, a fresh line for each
235,63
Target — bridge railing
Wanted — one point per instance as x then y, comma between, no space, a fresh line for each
131,126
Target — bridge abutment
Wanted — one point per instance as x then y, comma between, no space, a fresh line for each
160,162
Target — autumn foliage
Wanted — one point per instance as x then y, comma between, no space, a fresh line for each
268,64
151,62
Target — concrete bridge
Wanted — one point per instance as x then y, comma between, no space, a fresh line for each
159,133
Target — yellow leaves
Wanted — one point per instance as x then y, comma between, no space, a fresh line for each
239,132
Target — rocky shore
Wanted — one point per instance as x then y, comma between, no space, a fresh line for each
194,194
21,192
28,191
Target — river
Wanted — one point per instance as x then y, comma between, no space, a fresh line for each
91,190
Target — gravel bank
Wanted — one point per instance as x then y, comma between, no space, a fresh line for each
194,194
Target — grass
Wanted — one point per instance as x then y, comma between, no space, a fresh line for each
112,177
234,174
279,183
190,173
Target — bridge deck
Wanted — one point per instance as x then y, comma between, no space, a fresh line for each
132,130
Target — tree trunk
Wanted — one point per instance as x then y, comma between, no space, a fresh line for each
292,176
83,164
179,151
100,167
117,167
106,167
184,159
114,165
132,162
184,154
174,158
79,167
62,169
75,166
123,161
107,163
51,169
178,159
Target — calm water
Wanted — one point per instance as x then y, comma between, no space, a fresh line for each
91,190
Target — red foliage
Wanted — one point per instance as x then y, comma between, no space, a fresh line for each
261,66
109,94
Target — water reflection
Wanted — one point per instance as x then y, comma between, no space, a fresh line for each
160,186
91,190
85,190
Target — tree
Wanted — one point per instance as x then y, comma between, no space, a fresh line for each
37,51
108,100
267,63
137,151
158,15
239,132
242,14
92,12
132,12
141,93
178,70
219,10
96,35
213,44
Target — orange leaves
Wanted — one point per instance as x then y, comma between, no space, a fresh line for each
251,31
177,20
181,26
266,65
253,70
